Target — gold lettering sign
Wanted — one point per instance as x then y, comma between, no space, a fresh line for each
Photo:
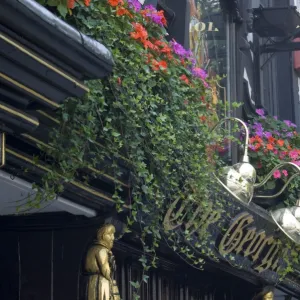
244,239
188,215
201,27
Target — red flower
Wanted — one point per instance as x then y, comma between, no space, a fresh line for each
162,16
121,11
257,146
156,65
185,79
270,147
258,139
87,2
149,58
280,143
71,4
163,64
147,44
115,3
139,33
202,118
271,140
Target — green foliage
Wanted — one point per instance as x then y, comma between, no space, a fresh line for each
149,116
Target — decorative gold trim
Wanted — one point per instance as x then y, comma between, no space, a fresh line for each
75,183
108,177
37,141
41,61
3,147
48,116
16,113
29,90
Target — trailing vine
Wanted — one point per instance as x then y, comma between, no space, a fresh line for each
155,110
154,113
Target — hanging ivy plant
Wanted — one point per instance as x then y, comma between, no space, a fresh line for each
155,110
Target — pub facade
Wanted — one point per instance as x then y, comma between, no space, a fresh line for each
45,248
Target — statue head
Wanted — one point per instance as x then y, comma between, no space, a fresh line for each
269,296
106,235
266,294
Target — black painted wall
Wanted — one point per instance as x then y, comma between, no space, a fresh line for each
45,264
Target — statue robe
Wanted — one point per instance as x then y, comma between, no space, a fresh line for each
98,270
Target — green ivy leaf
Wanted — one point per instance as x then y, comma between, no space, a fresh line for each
62,8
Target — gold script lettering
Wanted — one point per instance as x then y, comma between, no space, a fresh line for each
234,234
267,261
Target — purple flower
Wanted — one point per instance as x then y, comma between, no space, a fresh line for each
259,133
179,50
257,126
252,147
192,59
150,7
258,129
260,112
289,134
288,123
198,72
189,54
156,19
297,163
275,117
135,5
267,134
276,132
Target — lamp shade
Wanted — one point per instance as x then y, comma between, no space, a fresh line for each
239,180
288,220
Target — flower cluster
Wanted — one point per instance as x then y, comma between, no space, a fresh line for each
71,3
273,141
159,52
157,17
135,5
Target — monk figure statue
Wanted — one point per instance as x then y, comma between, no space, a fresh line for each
100,267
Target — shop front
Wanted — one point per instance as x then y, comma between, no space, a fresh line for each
47,249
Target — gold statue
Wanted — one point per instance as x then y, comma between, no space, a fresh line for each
266,294
269,296
100,267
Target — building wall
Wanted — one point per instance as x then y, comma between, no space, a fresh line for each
272,82
46,264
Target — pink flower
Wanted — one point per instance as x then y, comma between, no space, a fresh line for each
205,83
275,151
277,174
297,163
285,173
293,154
260,112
